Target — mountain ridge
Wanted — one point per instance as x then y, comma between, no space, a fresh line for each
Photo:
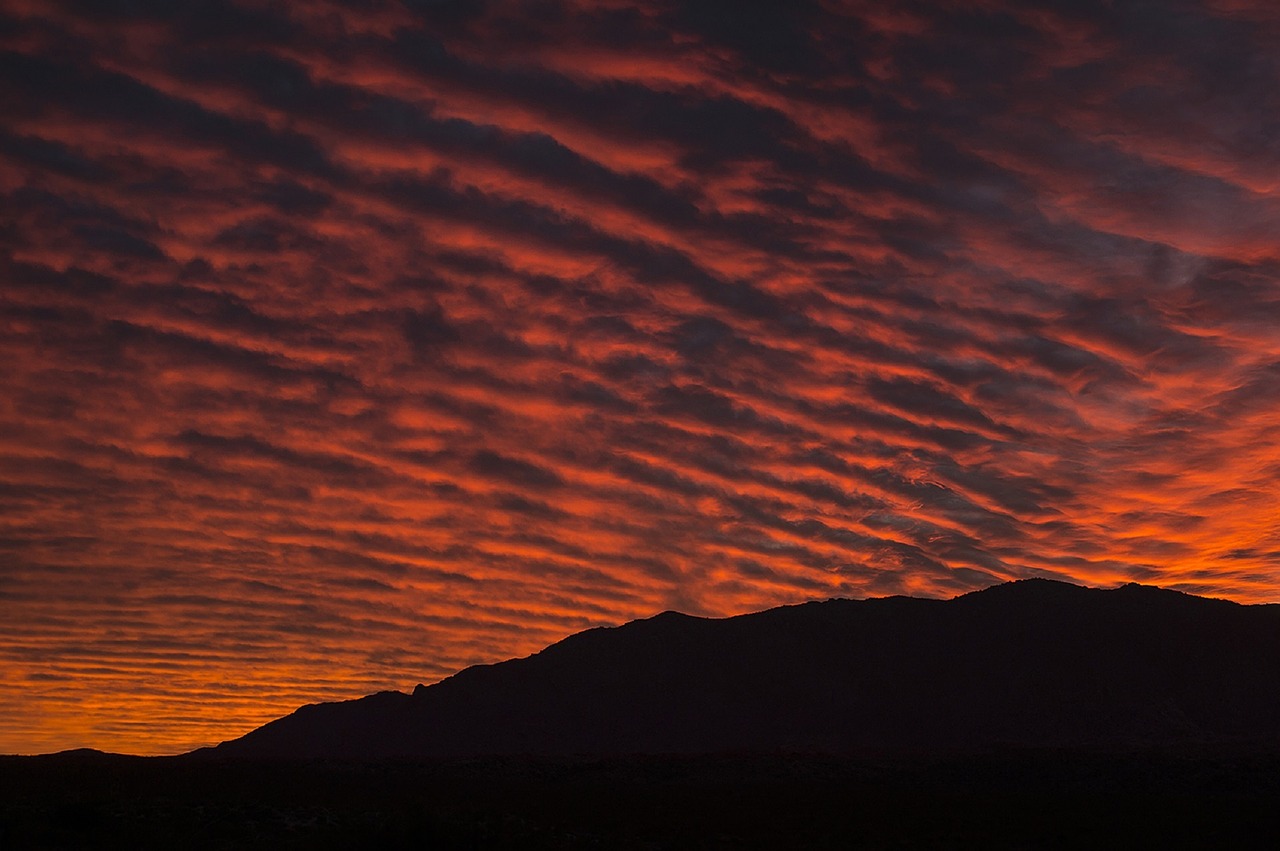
1034,663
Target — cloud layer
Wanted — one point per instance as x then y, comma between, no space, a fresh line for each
347,345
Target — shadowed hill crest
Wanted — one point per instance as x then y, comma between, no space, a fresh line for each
1035,663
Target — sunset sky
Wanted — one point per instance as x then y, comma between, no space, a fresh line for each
344,345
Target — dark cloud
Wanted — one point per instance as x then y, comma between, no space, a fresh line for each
514,470
428,331
927,401
45,155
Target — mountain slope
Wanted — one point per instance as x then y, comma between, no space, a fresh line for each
1031,663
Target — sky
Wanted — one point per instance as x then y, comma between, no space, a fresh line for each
346,345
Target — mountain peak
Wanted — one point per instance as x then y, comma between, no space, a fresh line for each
1039,585
1035,663
672,615
1033,588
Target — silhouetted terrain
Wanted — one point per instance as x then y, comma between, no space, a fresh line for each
1035,664
1034,714
1008,800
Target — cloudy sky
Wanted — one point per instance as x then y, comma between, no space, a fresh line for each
348,344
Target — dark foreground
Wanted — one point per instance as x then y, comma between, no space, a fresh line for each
87,800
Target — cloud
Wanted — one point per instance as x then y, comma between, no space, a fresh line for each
347,347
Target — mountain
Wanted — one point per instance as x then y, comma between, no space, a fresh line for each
1034,663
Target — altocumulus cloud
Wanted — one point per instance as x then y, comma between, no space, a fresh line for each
346,346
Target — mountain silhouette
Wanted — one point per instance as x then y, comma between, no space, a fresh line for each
1035,663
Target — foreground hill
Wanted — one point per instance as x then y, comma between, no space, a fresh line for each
1028,664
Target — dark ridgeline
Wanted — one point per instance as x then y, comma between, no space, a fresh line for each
1138,718
1034,663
